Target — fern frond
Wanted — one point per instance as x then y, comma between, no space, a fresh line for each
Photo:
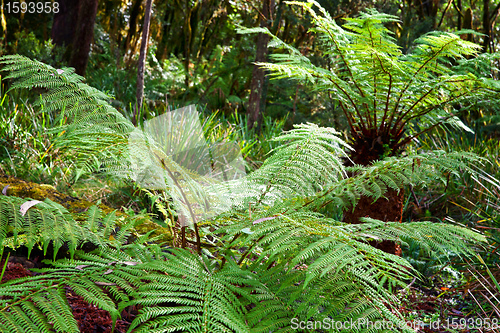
394,173
48,223
307,147
181,290
93,128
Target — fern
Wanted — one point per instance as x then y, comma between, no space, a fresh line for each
94,130
275,255
49,223
381,91
307,147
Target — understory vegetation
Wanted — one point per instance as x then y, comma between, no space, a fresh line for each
190,220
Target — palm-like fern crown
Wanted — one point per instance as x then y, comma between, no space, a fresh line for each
381,91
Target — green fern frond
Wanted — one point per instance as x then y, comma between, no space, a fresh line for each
393,173
181,290
93,128
38,313
307,147
432,237
48,223
66,90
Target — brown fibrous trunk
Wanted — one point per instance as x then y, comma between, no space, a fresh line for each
388,209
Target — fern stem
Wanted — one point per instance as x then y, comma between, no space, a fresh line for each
171,225
350,119
401,118
419,114
186,201
342,56
408,139
353,103
198,240
22,299
183,237
247,252
223,261
4,266
434,56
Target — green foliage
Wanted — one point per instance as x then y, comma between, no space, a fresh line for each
186,291
307,147
272,257
95,129
387,97
48,223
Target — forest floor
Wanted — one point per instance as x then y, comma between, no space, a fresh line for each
90,318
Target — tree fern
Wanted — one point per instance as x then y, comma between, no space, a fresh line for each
381,91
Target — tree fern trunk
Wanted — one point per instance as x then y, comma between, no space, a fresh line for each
142,62
389,209
257,86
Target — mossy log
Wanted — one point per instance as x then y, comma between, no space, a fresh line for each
19,188
13,186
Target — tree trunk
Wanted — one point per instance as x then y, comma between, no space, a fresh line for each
64,27
486,25
132,24
162,49
255,104
468,24
189,32
460,14
142,60
389,209
84,35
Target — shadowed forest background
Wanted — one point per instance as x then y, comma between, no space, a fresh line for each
359,143
196,56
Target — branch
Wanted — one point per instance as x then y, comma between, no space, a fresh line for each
444,12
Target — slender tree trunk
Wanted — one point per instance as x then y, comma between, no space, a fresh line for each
468,23
191,12
486,25
162,49
255,104
142,60
84,35
132,24
493,18
460,14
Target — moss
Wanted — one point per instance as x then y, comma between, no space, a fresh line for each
161,234
23,189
